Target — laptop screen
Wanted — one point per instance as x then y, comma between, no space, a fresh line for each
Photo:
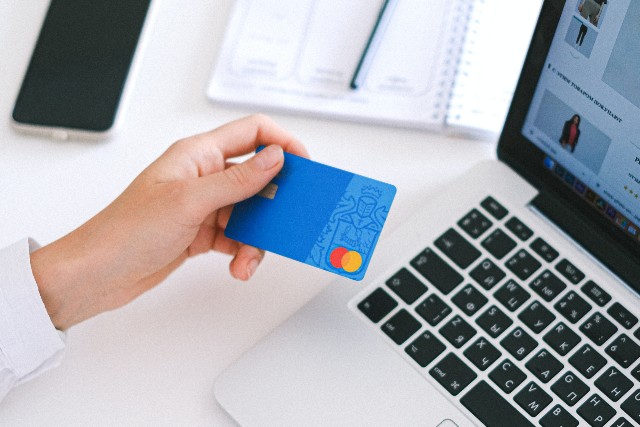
585,110
582,117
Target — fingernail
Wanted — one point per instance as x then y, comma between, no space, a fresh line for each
252,267
269,157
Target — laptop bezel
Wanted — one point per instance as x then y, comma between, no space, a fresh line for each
598,235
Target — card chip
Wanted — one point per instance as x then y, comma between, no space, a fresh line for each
269,192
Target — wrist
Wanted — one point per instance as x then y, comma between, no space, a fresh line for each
57,269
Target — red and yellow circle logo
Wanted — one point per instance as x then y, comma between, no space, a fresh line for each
342,258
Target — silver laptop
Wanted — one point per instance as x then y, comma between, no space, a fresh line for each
511,298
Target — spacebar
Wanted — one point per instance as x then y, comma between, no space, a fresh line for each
491,408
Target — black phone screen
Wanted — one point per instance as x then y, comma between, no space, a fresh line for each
80,64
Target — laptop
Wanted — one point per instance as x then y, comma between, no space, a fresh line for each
511,297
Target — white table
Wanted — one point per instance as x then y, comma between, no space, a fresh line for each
154,362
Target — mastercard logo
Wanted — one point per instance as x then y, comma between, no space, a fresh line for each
342,258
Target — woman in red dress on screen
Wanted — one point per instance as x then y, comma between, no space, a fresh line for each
570,133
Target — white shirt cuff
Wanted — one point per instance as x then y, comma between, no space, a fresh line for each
29,342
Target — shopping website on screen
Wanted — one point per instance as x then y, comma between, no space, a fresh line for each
586,107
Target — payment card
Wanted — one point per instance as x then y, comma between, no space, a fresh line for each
317,214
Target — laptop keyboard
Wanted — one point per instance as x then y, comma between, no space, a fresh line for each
515,331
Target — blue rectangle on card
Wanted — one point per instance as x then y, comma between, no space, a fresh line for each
317,214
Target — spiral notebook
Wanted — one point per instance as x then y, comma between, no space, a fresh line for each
440,63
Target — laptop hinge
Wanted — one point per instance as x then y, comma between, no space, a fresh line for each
596,242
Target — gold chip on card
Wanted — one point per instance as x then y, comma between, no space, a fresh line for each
269,192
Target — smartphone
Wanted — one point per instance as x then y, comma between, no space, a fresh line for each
76,80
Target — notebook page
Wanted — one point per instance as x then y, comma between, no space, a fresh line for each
300,56
494,49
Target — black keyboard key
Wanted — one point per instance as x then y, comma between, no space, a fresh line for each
542,248
436,271
598,328
498,243
406,286
636,372
587,361
596,293
596,411
492,409
570,271
487,274
511,295
613,383
632,406
452,374
401,326
433,309
623,350
518,228
377,305
493,321
507,376
637,333
457,331
469,300
570,388
536,317
532,399
474,223
523,265
482,353
519,343
573,307
453,245
425,348
622,422
544,366
494,208
547,285
562,339
558,417
622,315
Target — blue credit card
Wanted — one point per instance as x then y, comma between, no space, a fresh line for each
317,214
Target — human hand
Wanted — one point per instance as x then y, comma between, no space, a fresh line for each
176,208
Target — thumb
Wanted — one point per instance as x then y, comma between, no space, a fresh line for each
238,182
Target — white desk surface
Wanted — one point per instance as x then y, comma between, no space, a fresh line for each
154,362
